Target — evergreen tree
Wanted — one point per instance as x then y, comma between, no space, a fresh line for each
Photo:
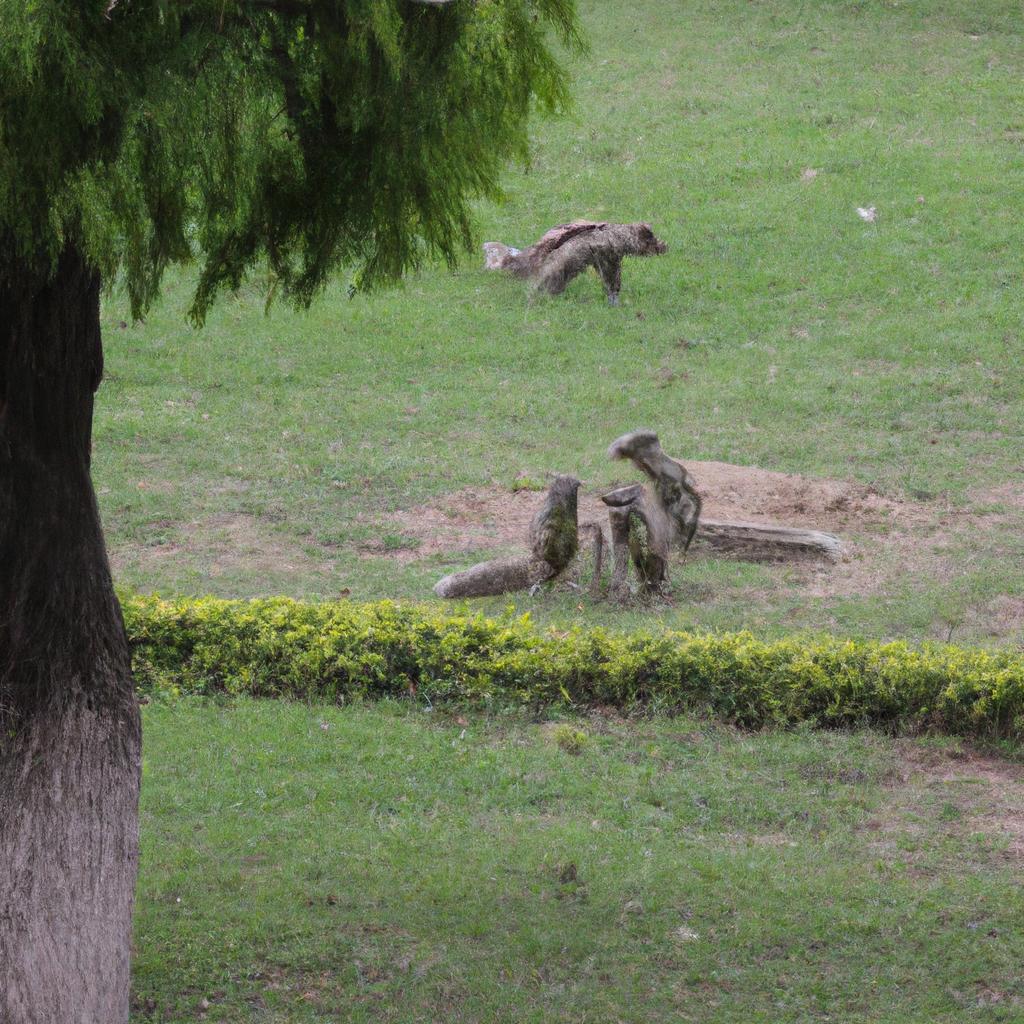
298,135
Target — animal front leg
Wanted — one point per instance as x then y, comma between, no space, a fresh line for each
610,269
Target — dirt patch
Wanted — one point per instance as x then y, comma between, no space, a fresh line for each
885,538
1003,615
222,544
1011,495
483,518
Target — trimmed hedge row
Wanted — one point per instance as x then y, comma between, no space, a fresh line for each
344,651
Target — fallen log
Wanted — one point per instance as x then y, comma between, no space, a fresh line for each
766,542
498,576
553,544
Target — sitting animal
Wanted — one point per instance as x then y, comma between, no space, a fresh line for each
567,250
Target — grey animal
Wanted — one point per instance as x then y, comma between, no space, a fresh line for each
566,251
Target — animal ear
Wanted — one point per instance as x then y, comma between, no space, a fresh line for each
645,231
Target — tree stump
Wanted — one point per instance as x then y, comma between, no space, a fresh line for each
641,534
674,490
553,539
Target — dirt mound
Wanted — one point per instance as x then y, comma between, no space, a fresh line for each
886,540
750,493
482,519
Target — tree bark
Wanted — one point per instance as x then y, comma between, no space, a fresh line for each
674,490
641,534
554,540
498,576
69,724
768,543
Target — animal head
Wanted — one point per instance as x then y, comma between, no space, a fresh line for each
648,244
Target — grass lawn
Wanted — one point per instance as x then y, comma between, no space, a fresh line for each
367,447
309,864
315,864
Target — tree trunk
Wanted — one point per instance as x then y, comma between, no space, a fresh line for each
498,576
69,724
765,542
642,533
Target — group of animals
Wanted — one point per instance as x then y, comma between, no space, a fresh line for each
567,250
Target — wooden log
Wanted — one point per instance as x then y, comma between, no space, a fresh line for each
619,520
553,544
498,576
641,534
767,542
597,539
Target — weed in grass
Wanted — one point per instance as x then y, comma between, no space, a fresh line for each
570,739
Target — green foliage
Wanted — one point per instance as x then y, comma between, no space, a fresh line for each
345,651
307,133
570,739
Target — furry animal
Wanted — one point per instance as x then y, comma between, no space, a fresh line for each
566,251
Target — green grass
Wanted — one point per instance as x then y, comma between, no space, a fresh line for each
780,330
308,864
384,863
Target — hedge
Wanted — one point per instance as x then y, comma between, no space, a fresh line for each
346,651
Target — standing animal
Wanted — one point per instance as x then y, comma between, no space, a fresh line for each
566,251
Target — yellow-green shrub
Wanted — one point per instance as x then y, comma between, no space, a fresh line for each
341,651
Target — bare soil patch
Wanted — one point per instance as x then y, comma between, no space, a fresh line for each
885,537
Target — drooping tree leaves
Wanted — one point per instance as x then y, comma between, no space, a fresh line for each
309,134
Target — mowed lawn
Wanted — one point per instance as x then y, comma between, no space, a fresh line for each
307,864
391,863
263,454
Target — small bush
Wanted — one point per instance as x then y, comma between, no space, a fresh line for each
344,651
571,740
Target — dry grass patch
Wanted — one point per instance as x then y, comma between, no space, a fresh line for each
223,545
938,793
